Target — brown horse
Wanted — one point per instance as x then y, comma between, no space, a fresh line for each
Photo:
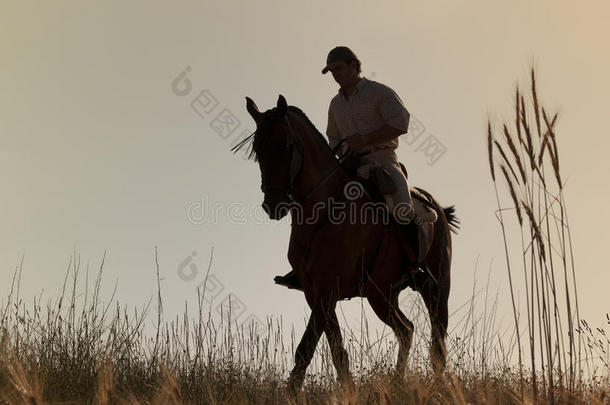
337,259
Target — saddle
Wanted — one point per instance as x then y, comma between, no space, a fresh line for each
380,183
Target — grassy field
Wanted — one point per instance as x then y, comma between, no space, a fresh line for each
81,349
86,351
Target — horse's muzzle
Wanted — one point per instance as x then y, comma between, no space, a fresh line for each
276,208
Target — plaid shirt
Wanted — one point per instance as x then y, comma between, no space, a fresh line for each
370,107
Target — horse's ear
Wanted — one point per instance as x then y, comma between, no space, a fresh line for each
282,106
253,110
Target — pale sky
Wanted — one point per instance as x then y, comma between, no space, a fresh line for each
98,153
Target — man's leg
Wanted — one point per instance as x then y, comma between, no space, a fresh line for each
400,203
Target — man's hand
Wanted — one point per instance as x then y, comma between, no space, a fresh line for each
356,142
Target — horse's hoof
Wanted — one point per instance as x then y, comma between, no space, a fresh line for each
348,385
438,366
295,382
398,376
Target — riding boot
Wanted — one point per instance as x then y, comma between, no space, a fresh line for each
289,280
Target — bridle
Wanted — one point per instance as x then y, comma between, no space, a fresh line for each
295,164
296,160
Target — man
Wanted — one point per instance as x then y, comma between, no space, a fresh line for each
372,117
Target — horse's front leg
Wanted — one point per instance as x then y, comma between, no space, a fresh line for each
338,352
305,349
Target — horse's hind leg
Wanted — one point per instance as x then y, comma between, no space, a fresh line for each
388,311
338,352
435,293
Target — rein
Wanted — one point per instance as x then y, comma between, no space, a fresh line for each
329,175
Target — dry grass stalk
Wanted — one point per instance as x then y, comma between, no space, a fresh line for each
490,151
513,149
513,195
535,99
555,164
545,141
533,222
518,115
23,387
547,135
553,152
169,392
540,175
105,393
529,147
506,161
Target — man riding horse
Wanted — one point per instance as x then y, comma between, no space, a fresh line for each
368,117
334,260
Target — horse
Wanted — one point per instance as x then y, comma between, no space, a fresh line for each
342,259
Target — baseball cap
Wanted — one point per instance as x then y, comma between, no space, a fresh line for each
338,54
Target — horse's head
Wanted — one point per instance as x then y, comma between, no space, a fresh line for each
279,156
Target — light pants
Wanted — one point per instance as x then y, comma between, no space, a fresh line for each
400,203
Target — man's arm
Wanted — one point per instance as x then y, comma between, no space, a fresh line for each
383,134
396,119
332,131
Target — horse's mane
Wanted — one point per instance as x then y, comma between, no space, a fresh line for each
311,125
255,140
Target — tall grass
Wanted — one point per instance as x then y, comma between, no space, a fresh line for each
526,152
80,349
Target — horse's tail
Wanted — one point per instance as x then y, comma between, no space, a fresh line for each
454,222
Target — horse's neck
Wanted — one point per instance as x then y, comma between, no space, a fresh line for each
318,163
